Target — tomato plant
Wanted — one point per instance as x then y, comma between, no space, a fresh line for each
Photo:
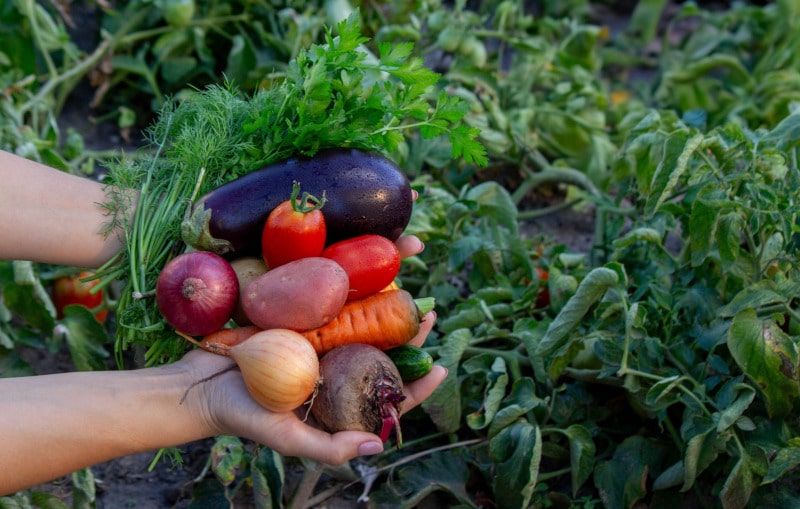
68,290
295,229
371,262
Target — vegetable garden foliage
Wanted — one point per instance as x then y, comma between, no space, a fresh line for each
663,369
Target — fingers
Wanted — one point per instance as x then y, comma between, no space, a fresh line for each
425,327
333,449
409,245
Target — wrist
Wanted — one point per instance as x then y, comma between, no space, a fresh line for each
200,376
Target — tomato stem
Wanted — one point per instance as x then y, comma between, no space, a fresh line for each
308,202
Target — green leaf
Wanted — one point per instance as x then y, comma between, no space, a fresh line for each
762,293
786,460
42,500
581,454
241,60
517,453
444,405
644,22
446,472
26,297
702,230
728,236
743,479
701,450
268,478
665,392
84,492
394,55
495,202
678,150
591,289
785,135
622,480
86,338
516,405
641,234
227,456
731,413
496,380
768,357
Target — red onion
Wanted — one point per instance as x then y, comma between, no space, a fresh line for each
196,292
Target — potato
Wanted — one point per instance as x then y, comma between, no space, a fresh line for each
300,295
247,270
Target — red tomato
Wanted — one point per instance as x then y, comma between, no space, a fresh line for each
294,230
71,290
371,262
543,297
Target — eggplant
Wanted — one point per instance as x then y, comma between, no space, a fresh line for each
365,194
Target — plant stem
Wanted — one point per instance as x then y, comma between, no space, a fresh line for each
306,486
550,173
81,68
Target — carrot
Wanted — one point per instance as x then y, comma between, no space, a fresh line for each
391,286
384,320
223,339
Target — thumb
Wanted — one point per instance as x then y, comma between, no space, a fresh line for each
332,449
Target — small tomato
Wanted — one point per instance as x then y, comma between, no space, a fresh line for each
178,13
295,229
72,290
370,261
543,297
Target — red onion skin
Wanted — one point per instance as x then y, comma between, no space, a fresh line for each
197,292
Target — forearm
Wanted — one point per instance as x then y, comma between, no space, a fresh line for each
53,425
52,216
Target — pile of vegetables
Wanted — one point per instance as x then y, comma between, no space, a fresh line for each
326,283
220,161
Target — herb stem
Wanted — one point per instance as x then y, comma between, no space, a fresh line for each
200,22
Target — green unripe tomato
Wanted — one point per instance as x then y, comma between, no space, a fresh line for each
437,21
449,39
178,13
472,47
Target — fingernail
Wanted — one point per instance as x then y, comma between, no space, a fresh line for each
370,448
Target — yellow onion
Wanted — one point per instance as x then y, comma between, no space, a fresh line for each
279,366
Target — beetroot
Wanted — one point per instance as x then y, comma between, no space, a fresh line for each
361,390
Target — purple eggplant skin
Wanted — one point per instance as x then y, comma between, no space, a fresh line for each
365,194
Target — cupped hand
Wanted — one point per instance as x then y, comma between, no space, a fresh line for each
223,403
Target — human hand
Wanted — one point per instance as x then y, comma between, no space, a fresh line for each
223,404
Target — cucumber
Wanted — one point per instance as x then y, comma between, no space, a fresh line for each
411,361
